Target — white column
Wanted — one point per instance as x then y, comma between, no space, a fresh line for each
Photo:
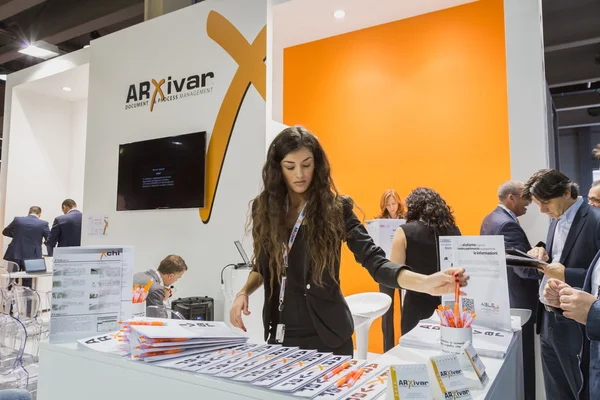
527,100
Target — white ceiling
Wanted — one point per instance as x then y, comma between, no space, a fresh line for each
76,78
301,21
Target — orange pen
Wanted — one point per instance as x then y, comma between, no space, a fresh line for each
165,340
355,377
337,370
162,353
457,320
344,380
147,323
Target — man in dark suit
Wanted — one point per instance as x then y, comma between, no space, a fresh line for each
522,282
573,241
66,229
27,234
168,272
582,306
594,194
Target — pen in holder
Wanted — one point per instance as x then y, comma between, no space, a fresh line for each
138,298
138,310
453,339
455,327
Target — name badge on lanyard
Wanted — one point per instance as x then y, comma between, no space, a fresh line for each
280,334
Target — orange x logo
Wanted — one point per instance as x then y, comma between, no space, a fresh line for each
157,89
251,71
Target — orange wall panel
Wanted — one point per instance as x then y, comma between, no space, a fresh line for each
416,102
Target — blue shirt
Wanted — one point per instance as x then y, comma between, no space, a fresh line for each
561,232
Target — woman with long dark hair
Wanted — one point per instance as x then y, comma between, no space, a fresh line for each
416,243
299,222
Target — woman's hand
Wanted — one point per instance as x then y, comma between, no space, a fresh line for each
240,305
444,282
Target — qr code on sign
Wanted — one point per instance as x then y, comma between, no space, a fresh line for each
469,304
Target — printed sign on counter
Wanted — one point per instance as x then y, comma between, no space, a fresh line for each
91,291
450,382
410,381
475,363
483,258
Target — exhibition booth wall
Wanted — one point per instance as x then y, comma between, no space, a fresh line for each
229,105
417,102
44,150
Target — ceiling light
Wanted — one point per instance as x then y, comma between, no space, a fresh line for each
339,14
3,77
66,88
40,50
86,46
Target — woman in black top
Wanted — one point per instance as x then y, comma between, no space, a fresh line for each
300,211
416,243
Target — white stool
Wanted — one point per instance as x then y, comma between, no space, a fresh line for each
523,313
366,308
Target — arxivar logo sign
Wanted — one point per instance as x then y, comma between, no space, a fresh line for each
138,95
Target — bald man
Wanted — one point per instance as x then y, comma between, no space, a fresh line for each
523,284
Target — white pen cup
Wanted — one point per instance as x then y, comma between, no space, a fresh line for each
453,339
138,310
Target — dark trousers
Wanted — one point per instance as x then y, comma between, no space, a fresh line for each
523,293
561,344
387,321
314,342
528,332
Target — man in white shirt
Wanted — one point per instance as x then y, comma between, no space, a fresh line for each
168,272
573,241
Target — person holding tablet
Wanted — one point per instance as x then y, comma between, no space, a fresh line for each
299,222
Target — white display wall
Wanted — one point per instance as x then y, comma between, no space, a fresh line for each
177,45
44,141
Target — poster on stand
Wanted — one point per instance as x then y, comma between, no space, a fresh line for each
483,258
382,231
91,291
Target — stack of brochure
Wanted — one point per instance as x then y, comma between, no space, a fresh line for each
212,349
487,342
158,339
302,373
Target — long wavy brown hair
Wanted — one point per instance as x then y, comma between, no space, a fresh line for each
383,204
323,226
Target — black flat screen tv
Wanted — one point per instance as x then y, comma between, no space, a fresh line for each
162,173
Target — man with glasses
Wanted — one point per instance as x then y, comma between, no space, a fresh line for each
594,195
573,241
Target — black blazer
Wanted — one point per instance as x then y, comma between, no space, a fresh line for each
581,246
27,234
523,283
327,306
66,231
